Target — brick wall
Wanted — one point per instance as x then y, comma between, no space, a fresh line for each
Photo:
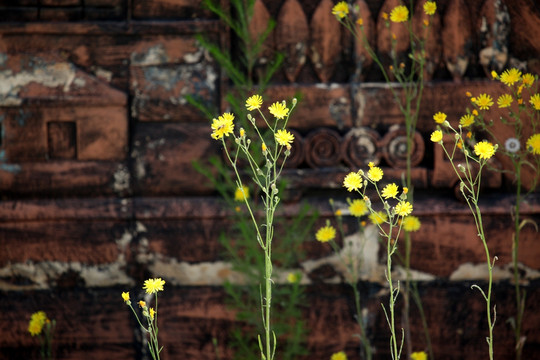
99,191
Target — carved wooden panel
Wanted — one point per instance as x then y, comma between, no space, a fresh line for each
292,37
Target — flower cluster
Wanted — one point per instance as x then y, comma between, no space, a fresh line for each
223,126
475,117
339,356
419,355
266,162
151,286
37,321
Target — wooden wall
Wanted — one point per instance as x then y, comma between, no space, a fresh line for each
99,191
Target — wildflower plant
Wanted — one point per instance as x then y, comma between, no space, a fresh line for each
519,114
275,151
389,221
245,71
42,327
411,78
476,155
352,259
149,314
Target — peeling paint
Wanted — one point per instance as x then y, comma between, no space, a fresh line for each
121,179
106,275
469,271
43,275
49,75
124,240
102,73
191,58
156,55
205,273
139,163
199,75
360,253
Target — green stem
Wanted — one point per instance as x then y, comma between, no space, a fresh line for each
515,252
491,323
391,322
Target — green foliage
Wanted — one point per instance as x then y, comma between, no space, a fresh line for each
243,251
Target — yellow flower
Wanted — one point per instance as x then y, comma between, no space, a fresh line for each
405,190
527,80
484,101
293,277
468,94
125,296
484,150
375,174
494,74
360,21
399,14
384,15
505,100
254,102
358,208
439,117
153,285
378,217
326,233
390,191
278,109
419,355
466,120
403,208
430,7
152,313
263,147
37,321
436,136
535,101
241,193
339,356
411,223
510,77
222,126
341,9
142,304
353,181
533,144
474,112
284,137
